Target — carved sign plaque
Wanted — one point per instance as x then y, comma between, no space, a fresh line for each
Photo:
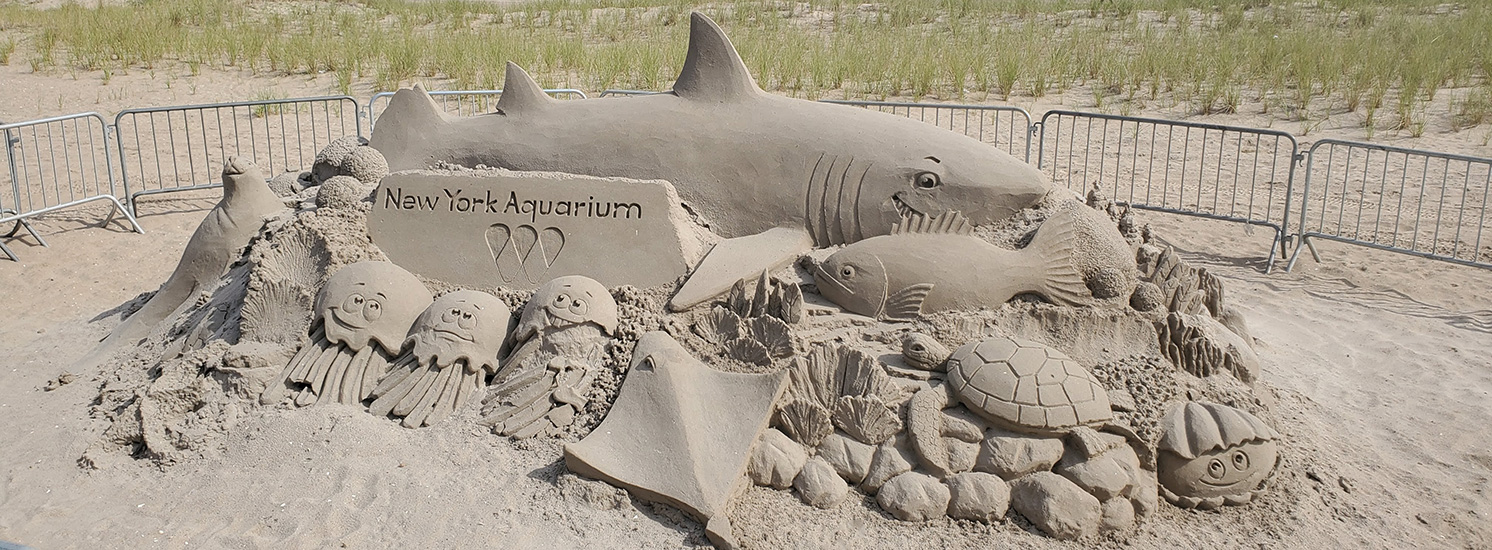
520,229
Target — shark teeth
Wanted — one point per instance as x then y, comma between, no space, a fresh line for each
902,209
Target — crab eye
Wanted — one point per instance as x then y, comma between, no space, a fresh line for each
847,271
1216,469
372,310
1240,461
927,180
353,303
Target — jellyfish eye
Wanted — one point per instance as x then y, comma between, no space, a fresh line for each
467,321
372,310
579,307
1216,469
353,303
1240,460
561,299
450,315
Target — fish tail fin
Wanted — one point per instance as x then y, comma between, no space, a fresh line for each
404,130
1052,252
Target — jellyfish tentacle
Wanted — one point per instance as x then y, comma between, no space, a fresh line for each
422,408
469,386
395,387
446,403
331,386
379,364
318,372
276,392
305,397
425,377
403,367
302,372
352,381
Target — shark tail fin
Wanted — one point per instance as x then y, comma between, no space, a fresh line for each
404,129
1051,252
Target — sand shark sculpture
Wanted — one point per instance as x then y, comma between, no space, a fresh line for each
775,176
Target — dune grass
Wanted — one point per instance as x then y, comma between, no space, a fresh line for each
1383,59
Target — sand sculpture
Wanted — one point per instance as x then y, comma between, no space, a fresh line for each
788,374
454,345
220,238
936,264
520,229
1213,455
556,355
362,316
706,419
789,174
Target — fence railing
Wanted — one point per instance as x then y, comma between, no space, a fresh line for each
461,102
1007,128
52,164
1211,171
171,149
1424,203
1415,202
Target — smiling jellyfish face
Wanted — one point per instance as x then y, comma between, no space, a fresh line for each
463,325
370,301
1212,454
568,301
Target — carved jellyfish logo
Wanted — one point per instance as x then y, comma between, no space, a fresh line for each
362,315
455,343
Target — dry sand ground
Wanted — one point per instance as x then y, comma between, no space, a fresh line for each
1383,362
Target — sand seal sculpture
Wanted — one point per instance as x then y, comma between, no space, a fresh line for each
1213,455
362,316
455,345
680,432
936,264
774,175
568,320
520,229
218,240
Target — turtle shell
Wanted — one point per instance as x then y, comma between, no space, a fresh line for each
1026,386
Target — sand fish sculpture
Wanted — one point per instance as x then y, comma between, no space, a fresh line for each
1213,455
936,264
1015,384
455,343
218,240
775,176
569,320
362,316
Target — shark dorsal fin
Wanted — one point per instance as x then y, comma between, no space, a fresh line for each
712,68
521,92
951,222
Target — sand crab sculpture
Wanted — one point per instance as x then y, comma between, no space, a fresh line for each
569,320
455,345
362,315
1213,455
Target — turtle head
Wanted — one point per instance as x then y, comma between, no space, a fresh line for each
924,352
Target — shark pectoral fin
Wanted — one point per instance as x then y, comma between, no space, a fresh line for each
734,259
906,304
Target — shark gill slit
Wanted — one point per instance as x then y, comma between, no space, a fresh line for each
838,223
835,177
855,208
808,193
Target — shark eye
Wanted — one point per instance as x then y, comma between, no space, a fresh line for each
927,180
847,271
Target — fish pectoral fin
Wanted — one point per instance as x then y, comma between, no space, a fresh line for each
734,259
906,304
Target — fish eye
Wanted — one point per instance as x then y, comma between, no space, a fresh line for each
372,310
353,303
1240,461
1216,469
927,180
847,271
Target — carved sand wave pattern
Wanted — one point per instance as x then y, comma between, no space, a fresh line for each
524,251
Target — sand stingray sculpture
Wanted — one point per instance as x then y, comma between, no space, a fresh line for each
775,176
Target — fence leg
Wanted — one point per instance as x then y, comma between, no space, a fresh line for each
1305,240
1279,237
119,207
8,254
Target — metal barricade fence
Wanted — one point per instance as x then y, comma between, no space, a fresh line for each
1211,171
171,149
624,93
1007,128
461,102
1415,202
56,163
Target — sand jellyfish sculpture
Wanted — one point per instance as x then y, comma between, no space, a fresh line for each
1213,455
568,320
362,316
455,343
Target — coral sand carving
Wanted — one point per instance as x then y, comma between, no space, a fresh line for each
788,384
